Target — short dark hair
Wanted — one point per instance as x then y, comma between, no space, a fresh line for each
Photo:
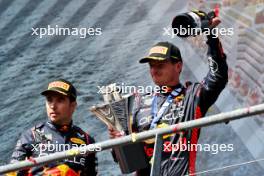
72,99
175,61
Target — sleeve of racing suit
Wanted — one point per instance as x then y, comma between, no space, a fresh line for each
217,77
91,161
24,147
23,150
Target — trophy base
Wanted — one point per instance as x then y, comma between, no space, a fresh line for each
131,157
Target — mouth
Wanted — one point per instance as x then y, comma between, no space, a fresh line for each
54,114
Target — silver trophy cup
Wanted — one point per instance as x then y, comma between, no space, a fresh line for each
116,111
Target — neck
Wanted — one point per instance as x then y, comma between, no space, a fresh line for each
62,128
172,86
61,124
174,83
168,89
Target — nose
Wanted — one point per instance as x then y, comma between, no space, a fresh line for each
52,105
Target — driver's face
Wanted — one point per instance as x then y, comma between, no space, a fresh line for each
59,108
165,73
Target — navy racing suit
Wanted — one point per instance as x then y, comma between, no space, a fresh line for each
191,102
47,138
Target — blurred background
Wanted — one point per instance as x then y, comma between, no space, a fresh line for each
129,29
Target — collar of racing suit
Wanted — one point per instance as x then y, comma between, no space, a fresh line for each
61,128
166,90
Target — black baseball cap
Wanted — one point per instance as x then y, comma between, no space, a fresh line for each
61,86
163,51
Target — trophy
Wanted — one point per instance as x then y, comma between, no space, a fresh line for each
116,111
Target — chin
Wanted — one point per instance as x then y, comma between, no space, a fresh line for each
53,119
158,83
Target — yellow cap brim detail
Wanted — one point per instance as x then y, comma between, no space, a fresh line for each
147,59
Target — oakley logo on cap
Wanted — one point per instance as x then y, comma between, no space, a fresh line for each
59,84
158,50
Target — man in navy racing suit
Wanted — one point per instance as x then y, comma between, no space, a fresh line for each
177,103
57,134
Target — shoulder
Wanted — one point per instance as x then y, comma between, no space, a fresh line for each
38,126
78,129
81,133
192,87
29,134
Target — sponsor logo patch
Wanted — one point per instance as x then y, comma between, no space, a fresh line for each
77,141
159,50
59,84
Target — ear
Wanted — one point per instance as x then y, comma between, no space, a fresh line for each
179,66
74,105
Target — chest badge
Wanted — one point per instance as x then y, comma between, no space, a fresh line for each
77,141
